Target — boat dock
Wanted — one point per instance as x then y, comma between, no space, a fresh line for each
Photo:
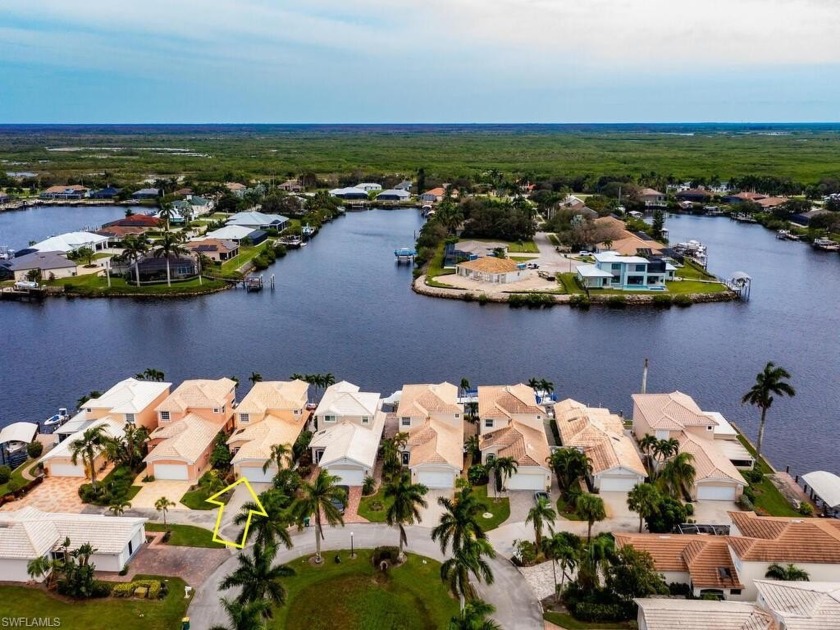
16,294
405,255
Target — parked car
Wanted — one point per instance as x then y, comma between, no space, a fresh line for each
341,504
541,495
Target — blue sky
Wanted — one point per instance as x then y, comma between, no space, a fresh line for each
201,61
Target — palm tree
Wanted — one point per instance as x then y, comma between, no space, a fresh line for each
459,521
594,558
768,382
474,617
90,396
534,383
118,508
129,448
540,515
591,508
259,580
464,386
162,505
407,498
502,467
678,474
281,455
170,245
267,531
88,448
316,499
663,449
546,386
644,499
40,567
455,571
243,616
255,378
570,465
471,446
647,444
790,573
134,246
166,213
562,547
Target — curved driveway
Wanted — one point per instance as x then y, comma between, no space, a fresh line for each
516,606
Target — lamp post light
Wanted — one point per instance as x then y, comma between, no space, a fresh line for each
352,548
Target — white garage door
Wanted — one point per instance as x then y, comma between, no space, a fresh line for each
256,474
348,476
171,471
715,493
617,484
522,481
67,470
436,479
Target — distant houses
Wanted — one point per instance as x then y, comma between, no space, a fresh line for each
146,194
350,193
259,220
65,193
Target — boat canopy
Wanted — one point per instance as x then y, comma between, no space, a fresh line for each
19,432
825,485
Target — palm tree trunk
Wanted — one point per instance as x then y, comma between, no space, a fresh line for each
554,571
137,271
168,280
589,532
760,433
317,539
640,522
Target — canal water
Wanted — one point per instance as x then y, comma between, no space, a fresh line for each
342,305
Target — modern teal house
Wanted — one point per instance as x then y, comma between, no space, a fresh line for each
629,273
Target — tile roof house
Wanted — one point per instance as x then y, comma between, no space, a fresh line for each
616,464
215,249
74,191
28,533
652,198
236,188
699,560
801,605
58,462
50,264
259,220
273,412
203,408
676,415
624,241
435,423
491,269
512,424
695,614
756,542
348,449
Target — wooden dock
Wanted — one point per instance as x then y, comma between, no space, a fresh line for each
23,295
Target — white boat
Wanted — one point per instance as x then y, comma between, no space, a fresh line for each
26,285
59,418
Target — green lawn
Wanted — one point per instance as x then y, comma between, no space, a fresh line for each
435,269
353,595
564,620
98,614
17,473
197,499
693,271
567,510
367,505
500,509
569,283
246,253
186,535
93,284
691,286
767,496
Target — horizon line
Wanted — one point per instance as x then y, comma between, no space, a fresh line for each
419,124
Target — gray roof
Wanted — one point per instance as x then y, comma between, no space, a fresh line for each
39,260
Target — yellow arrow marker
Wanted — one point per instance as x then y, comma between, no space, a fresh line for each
260,511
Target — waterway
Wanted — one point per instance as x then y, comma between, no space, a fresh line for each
342,305
36,223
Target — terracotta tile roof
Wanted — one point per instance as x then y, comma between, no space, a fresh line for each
705,558
600,434
213,245
421,400
506,400
436,442
184,439
198,394
437,192
525,444
710,462
255,441
698,614
490,264
786,540
231,186
624,241
136,220
647,192
802,605
267,395
672,411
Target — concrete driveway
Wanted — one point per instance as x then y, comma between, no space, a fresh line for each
714,512
151,491
430,516
516,606
521,502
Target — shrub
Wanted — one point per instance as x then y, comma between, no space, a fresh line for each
715,597
689,509
388,554
616,301
124,589
753,476
376,506
477,474
745,503
682,300
15,485
678,589
596,612
34,449
468,297
369,485
148,478
124,570
5,474
749,493
580,301
525,554
483,299
662,300
280,250
806,509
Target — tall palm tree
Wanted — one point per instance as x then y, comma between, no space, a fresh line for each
590,507
255,378
90,396
643,499
459,521
546,386
594,558
407,499
647,444
469,559
316,499
267,531
474,616
167,213
663,449
259,580
770,381
534,383
464,386
678,474
170,245
244,616
88,448
540,515
502,467
129,448
471,446
281,456
134,246
570,465
790,573
562,547
162,505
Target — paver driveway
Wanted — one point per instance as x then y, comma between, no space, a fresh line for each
55,494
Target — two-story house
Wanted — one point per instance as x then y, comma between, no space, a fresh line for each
273,412
349,427
652,198
434,421
512,424
629,273
188,422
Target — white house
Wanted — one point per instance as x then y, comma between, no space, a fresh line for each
393,194
349,193
629,273
369,186
652,198
58,462
616,465
28,533
512,424
492,269
71,241
259,221
699,614
801,605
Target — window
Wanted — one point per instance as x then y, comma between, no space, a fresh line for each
216,410
488,423
489,458
129,418
405,422
164,416
329,418
365,420
616,266
244,417
297,412
641,267
406,458
457,415
735,591
710,428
